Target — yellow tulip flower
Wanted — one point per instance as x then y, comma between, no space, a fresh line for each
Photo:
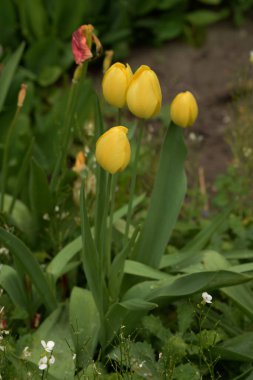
144,96
184,109
113,150
115,84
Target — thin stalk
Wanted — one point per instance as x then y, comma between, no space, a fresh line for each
112,203
73,93
21,176
5,156
133,177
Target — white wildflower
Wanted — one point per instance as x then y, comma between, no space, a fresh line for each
43,363
74,356
46,216
247,152
4,251
51,360
26,352
57,208
207,298
49,346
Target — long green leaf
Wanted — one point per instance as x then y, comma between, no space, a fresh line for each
8,73
55,327
10,282
184,285
166,199
139,269
89,257
197,282
85,323
30,265
239,348
242,296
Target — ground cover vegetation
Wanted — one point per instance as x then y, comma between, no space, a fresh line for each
101,276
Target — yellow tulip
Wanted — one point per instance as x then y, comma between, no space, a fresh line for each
113,150
184,109
144,96
115,84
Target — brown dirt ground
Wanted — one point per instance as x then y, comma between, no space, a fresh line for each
209,72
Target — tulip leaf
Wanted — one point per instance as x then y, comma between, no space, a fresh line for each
85,323
10,282
239,348
185,285
166,199
143,270
56,328
29,264
90,259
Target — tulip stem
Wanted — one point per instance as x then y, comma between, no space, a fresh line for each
5,156
104,231
133,177
112,203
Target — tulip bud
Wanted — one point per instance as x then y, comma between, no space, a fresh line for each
113,150
79,163
115,84
144,96
184,109
22,95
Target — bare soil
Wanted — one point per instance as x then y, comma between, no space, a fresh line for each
209,73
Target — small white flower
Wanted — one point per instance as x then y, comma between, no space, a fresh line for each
207,298
74,356
51,360
26,352
46,217
57,208
2,348
49,346
4,251
43,363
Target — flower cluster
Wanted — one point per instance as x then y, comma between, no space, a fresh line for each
47,357
142,94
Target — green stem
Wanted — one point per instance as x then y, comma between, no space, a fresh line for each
73,94
5,156
112,203
133,177
104,232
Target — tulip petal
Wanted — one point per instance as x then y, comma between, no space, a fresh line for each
80,49
144,96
